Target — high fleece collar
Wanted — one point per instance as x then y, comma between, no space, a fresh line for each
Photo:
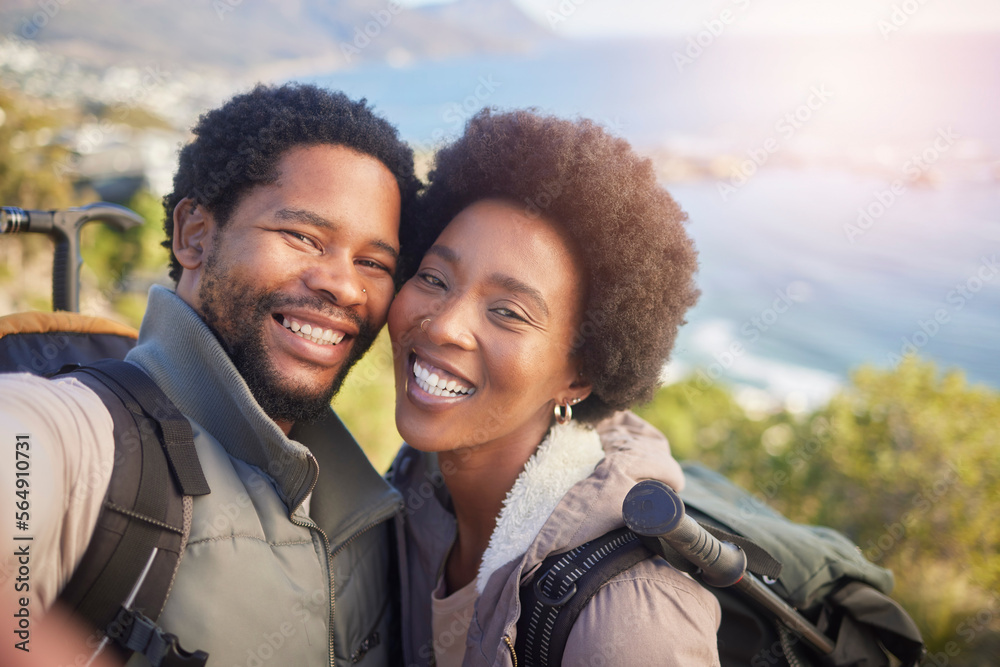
566,456
182,355
573,487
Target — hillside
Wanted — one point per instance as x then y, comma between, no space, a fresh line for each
232,36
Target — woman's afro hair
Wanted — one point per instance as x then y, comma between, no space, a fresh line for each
240,144
638,259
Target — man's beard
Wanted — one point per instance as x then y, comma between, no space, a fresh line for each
237,315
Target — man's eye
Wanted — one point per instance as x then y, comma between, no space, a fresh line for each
430,279
374,265
302,238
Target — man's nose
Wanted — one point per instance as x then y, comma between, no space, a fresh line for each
336,277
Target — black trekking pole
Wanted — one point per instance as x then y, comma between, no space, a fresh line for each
653,510
63,226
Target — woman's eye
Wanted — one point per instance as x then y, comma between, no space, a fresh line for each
509,314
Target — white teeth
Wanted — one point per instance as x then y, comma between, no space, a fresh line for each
313,334
435,385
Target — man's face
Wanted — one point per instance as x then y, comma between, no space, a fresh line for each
298,282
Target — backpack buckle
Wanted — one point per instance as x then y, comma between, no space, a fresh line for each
550,601
137,632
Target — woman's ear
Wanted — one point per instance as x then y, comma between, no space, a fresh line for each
579,388
193,226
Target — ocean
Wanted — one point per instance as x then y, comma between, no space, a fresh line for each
842,192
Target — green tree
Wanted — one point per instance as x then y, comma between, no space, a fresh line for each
903,461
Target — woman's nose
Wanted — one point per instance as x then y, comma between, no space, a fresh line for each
450,322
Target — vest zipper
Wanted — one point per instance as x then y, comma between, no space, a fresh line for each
331,555
510,647
326,547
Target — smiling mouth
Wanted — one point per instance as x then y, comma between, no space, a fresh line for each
437,382
311,332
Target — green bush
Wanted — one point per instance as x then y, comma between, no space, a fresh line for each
903,461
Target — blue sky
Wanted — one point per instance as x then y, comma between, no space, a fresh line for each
604,18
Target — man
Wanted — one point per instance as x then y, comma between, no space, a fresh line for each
283,228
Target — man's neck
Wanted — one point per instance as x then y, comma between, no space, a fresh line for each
285,426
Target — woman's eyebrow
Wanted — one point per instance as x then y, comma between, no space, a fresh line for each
512,284
509,283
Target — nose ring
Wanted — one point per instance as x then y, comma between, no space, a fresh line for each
364,291
423,325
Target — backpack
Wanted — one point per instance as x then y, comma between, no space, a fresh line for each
817,571
125,575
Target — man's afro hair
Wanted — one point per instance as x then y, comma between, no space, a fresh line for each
638,260
240,144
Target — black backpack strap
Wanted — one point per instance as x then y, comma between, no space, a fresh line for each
143,398
562,586
147,507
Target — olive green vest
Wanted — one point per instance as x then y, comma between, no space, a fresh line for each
261,581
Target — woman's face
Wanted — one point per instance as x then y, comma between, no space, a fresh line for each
503,293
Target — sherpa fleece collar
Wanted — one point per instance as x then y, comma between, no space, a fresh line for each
568,455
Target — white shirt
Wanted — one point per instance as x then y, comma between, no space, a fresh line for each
450,619
65,465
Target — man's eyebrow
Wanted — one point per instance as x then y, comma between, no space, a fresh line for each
308,217
301,215
444,252
388,247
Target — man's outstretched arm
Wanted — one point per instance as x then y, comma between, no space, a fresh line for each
56,457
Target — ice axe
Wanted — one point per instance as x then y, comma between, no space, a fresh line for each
63,227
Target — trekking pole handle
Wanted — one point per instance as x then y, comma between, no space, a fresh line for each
654,510
63,226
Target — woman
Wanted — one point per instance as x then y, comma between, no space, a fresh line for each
556,275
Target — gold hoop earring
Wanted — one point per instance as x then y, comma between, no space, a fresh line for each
565,415
423,325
